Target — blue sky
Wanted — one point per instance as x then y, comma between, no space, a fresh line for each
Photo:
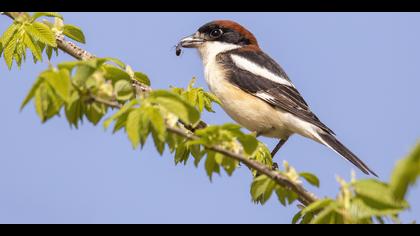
358,71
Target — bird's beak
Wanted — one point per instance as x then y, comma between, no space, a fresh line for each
192,41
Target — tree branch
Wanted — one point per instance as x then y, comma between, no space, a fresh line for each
304,196
113,104
79,53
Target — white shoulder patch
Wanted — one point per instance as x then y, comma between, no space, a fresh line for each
256,69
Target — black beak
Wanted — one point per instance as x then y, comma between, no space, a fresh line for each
191,41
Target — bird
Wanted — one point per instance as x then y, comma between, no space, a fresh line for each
255,91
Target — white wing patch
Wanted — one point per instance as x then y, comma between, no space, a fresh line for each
256,69
265,96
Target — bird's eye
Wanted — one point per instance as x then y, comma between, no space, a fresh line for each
216,33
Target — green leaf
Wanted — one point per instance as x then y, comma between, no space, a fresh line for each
116,61
192,96
144,126
181,154
74,109
39,104
196,151
379,193
9,33
20,54
405,173
263,156
142,78
36,15
126,108
306,219
285,196
172,141
33,46
18,59
41,32
94,112
229,165
249,143
191,83
115,74
235,128
297,217
311,178
83,72
47,103
159,144
133,127
49,52
31,93
176,105
325,216
9,51
210,165
317,206
120,123
262,188
158,123
281,195
200,101
218,158
123,90
362,209
291,196
74,33
213,98
70,65
197,160
41,46
60,81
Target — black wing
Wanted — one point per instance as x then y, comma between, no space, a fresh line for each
282,95
279,95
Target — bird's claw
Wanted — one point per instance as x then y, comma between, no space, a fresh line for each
275,166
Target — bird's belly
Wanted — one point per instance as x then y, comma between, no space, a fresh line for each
247,110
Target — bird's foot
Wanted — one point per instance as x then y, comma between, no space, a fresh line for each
275,166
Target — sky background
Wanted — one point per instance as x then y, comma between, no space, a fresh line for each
360,73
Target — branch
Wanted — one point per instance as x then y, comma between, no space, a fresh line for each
304,196
113,104
78,52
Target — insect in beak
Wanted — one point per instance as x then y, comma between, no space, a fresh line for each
178,49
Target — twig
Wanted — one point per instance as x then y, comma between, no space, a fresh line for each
304,196
72,49
113,104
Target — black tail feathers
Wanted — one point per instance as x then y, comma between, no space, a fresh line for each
333,143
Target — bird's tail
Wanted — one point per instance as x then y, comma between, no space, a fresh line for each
332,142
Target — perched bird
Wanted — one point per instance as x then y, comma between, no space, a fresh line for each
255,91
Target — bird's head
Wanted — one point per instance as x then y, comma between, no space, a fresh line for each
219,36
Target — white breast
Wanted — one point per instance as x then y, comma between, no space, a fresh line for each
252,113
